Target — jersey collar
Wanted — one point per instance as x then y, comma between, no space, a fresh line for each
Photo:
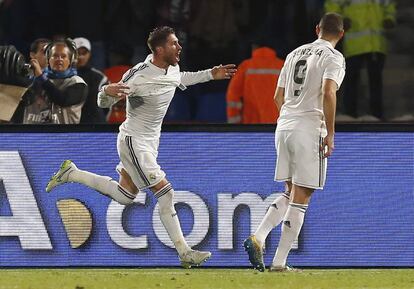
150,64
324,42
159,69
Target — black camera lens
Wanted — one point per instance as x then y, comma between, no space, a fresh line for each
13,68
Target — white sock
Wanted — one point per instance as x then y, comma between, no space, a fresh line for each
102,184
169,218
292,223
273,217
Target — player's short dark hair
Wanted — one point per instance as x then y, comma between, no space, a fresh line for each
34,47
159,36
331,23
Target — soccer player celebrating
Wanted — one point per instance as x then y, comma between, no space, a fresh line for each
149,88
306,94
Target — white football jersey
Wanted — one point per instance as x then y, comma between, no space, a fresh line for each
151,91
302,75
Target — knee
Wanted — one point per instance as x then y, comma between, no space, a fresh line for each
126,182
126,197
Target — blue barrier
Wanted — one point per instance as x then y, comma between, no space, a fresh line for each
364,217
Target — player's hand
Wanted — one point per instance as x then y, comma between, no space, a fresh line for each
118,90
223,71
328,146
35,66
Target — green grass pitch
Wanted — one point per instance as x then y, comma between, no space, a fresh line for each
204,278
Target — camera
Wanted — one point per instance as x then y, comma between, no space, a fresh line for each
13,68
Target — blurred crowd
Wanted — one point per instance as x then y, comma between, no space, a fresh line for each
109,37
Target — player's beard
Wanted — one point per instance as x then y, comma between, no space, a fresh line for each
173,59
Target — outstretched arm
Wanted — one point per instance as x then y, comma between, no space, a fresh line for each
223,71
215,73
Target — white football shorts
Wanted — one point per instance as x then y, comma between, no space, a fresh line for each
141,165
299,159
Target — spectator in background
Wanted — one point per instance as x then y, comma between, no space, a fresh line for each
250,91
34,107
36,101
90,25
130,21
119,59
94,78
120,62
23,20
364,44
37,51
213,29
63,92
176,13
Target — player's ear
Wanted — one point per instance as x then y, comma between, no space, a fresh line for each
317,30
341,34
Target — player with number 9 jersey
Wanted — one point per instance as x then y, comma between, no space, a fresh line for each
302,112
302,75
306,94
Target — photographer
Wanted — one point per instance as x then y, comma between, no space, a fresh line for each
57,94
36,104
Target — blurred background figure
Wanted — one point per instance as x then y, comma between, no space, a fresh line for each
250,91
37,51
130,21
81,22
63,92
176,13
94,78
365,23
120,55
119,61
34,107
210,31
375,88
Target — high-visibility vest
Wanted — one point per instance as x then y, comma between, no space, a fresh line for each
251,90
366,34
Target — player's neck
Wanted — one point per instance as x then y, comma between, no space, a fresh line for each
158,62
331,40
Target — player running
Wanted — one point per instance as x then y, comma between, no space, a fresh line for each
306,93
149,88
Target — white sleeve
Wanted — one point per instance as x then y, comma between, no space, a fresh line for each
335,69
104,100
281,82
190,78
103,81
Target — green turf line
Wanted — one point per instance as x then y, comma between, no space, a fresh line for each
205,279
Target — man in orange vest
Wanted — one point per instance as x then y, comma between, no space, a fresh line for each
250,92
